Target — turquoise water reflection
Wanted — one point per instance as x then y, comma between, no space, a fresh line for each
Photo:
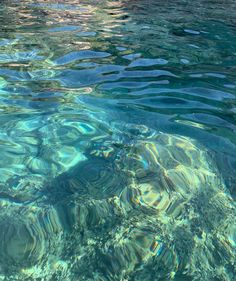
117,140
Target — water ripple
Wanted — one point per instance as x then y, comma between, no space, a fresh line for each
117,140
74,56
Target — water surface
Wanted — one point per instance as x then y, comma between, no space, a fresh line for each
117,140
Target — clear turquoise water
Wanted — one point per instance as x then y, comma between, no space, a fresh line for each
117,140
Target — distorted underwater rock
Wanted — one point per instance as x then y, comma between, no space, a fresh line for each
29,239
175,179
158,211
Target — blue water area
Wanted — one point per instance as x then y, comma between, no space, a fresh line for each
117,140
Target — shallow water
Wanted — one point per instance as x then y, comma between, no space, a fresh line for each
117,140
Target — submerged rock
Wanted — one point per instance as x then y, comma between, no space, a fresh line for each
154,208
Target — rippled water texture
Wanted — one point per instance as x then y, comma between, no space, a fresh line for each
117,140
